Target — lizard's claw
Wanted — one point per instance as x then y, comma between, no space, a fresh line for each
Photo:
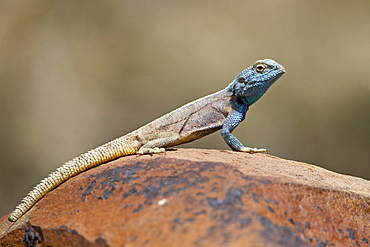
144,150
253,150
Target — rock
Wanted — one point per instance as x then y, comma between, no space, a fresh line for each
192,197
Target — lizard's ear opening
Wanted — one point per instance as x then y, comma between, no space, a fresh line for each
241,80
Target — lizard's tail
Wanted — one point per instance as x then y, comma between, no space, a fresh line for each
94,157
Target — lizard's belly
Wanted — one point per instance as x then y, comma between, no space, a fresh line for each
194,135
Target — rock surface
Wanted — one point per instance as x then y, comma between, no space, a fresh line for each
192,197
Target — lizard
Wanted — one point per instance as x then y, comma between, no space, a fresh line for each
223,110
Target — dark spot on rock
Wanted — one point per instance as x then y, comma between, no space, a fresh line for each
100,241
215,188
351,233
255,197
233,195
190,200
270,209
265,222
265,182
279,235
33,236
146,242
365,240
271,201
106,194
309,239
299,226
138,208
291,220
322,243
220,177
200,212
132,191
244,222
66,228
307,225
177,221
151,192
190,219
250,186
215,203
89,189
130,173
247,178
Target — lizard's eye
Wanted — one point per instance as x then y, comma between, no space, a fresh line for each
241,80
260,68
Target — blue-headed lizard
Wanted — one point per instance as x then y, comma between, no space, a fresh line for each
222,110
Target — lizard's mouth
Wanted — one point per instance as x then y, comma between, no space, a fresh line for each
263,79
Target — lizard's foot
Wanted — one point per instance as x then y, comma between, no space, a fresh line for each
253,150
144,150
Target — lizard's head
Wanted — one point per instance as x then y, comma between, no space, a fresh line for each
253,82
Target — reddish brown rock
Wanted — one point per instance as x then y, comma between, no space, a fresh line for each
192,197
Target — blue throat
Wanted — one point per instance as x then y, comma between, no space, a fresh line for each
255,97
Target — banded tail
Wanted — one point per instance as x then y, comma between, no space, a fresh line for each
109,151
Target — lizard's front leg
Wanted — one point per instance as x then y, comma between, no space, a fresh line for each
156,145
231,122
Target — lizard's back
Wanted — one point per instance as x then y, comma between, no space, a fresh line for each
191,121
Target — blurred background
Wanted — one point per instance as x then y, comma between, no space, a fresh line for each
76,74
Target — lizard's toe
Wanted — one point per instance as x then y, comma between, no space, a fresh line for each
156,150
253,150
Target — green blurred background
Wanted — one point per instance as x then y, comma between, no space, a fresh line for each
76,74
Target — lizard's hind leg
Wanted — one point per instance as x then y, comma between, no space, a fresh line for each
156,145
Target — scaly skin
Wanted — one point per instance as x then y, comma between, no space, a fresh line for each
222,110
